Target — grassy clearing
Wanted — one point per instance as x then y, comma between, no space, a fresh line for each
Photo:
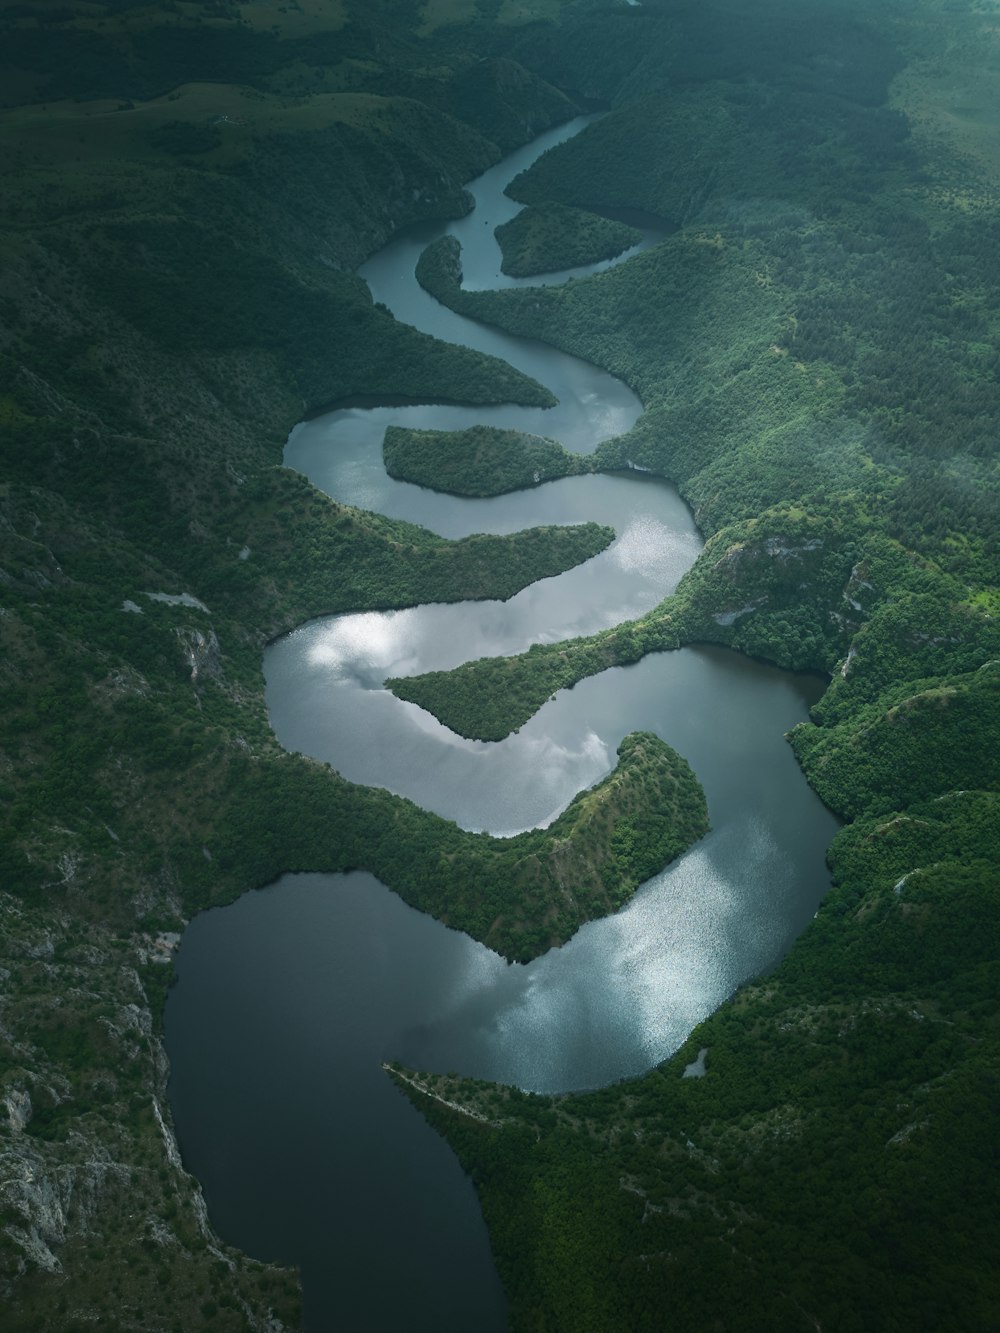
517,12
951,94
74,137
446,13
301,18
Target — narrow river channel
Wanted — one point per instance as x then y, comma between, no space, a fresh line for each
288,1000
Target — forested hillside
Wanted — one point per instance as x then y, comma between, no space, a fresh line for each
816,350
187,190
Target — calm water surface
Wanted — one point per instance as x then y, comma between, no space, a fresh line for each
288,1000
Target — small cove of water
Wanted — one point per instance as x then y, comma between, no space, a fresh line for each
289,1000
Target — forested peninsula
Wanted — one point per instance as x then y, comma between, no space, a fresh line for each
187,191
553,236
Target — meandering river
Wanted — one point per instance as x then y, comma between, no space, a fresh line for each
288,1000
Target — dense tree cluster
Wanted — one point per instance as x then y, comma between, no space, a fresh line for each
553,236
480,461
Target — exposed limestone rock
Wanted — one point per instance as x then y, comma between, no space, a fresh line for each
18,1104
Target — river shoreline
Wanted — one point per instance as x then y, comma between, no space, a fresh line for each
314,1091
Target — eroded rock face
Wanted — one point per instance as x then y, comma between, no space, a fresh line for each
202,652
38,1200
18,1104
90,1171
51,1202
731,617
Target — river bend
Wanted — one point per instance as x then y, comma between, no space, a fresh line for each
288,1000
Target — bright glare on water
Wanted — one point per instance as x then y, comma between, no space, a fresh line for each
289,999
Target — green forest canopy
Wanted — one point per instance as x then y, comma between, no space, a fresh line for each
815,349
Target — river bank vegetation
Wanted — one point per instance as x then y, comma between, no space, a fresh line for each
479,461
550,236
815,349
